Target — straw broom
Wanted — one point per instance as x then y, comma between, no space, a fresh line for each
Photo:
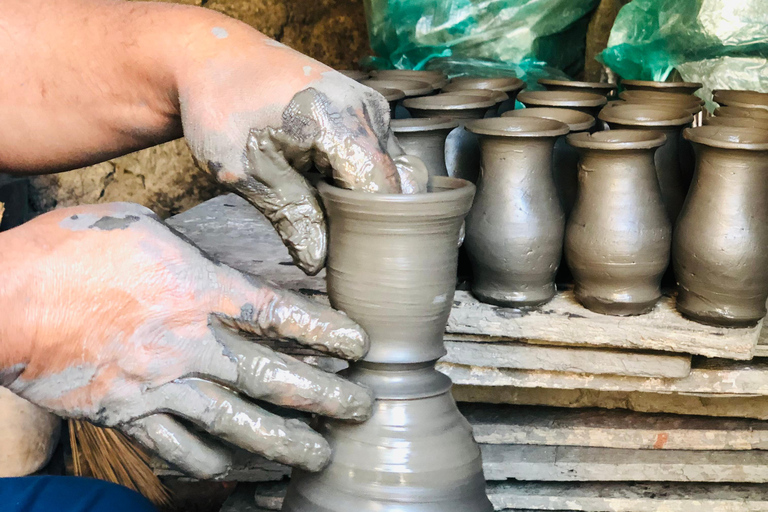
107,454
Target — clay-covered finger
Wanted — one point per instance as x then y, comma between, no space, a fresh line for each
281,314
225,415
175,444
286,199
280,379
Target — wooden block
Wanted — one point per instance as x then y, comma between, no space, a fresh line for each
524,356
708,377
716,406
600,428
233,232
579,464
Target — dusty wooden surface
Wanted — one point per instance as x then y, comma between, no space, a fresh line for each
232,231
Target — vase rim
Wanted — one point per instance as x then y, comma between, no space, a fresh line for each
443,102
661,96
643,114
436,79
494,94
754,113
389,93
409,87
615,140
505,84
576,120
354,74
578,84
562,99
518,127
740,98
744,122
728,137
448,190
422,124
661,85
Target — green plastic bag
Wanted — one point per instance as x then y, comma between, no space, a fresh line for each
465,35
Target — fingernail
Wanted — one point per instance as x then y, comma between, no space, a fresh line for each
359,404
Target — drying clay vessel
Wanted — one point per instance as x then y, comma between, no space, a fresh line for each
602,88
425,138
499,98
668,87
462,150
411,88
515,229
720,240
392,268
564,157
689,102
742,122
436,79
354,74
586,102
670,121
510,85
752,113
618,236
743,99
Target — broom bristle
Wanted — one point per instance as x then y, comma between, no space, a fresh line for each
107,454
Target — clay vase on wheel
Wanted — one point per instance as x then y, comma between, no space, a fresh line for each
425,138
602,88
515,228
618,236
392,268
670,121
719,247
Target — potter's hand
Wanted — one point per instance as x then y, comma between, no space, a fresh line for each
106,314
257,112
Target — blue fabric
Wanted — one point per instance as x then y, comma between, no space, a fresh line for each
68,494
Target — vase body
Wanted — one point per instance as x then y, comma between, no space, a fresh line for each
515,228
720,240
618,236
392,268
670,121
425,138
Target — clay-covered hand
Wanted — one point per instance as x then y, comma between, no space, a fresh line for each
107,314
255,112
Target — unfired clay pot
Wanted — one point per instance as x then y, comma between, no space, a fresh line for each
462,149
743,122
354,74
670,121
564,157
411,88
586,102
436,79
744,99
510,85
425,138
669,87
602,88
689,102
515,229
752,113
392,268
499,97
720,240
618,236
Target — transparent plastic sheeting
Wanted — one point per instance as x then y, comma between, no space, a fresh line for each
747,73
539,35
726,39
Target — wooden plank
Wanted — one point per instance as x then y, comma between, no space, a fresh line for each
579,464
599,428
761,350
708,377
232,231
524,356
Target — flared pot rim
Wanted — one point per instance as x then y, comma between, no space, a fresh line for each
517,127
504,84
650,97
422,124
409,87
617,140
662,85
578,84
443,102
494,94
728,137
354,74
740,98
436,79
741,112
450,190
655,115
562,99
743,122
389,93
576,120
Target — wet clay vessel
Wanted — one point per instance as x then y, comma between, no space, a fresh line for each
564,156
436,79
720,240
752,113
602,88
586,102
618,237
515,229
499,97
689,102
425,138
743,99
669,121
392,268
669,87
462,150
510,85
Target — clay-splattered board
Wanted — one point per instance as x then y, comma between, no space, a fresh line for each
232,231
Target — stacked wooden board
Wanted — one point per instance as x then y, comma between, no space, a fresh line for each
519,372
